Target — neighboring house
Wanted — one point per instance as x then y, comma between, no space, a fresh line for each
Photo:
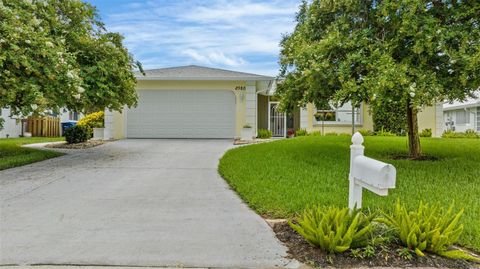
12,127
462,116
340,120
201,102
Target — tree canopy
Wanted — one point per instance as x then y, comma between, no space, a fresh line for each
57,54
410,52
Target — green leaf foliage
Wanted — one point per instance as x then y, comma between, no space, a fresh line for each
301,132
264,133
77,134
333,229
427,229
412,53
57,54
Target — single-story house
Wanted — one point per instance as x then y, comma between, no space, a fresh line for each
202,102
462,116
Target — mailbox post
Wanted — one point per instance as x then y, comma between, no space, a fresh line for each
367,173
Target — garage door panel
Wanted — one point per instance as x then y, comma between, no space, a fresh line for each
182,114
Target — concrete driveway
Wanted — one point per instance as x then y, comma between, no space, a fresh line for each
132,203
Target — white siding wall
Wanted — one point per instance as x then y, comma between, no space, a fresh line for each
303,118
251,105
11,127
440,126
109,125
461,127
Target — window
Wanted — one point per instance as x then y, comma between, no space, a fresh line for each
72,115
341,115
462,116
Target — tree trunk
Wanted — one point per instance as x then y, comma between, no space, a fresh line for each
413,137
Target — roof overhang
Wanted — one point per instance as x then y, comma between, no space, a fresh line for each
206,78
461,106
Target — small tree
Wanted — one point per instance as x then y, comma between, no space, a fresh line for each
56,53
412,52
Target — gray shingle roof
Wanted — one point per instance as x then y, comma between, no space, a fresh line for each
194,72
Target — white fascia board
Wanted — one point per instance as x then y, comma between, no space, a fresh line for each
206,79
460,106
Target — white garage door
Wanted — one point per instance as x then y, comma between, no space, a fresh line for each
182,114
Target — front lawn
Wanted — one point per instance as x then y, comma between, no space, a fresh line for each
281,178
12,154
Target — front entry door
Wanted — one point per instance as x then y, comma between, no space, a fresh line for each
277,120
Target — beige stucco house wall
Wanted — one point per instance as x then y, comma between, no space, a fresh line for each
196,114
245,88
428,118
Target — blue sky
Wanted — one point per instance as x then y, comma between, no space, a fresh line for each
240,35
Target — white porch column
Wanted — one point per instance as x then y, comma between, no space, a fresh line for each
109,125
303,118
251,105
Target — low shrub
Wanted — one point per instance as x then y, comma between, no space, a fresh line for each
92,120
333,229
331,134
364,132
467,134
301,132
382,132
470,133
429,228
264,133
426,133
77,134
315,133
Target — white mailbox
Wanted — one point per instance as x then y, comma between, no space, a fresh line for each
376,176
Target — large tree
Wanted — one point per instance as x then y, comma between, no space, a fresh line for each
414,53
57,54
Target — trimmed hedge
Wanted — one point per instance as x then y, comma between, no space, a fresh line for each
77,134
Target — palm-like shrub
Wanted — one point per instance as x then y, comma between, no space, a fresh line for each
301,132
264,133
429,228
333,229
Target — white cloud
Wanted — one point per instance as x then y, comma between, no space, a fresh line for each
238,34
214,57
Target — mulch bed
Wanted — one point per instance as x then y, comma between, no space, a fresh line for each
83,145
421,158
301,250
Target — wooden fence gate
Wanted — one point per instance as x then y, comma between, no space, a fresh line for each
44,126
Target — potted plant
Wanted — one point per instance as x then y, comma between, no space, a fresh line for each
247,133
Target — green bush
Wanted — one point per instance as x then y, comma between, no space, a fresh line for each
333,229
429,228
467,134
426,133
366,132
382,132
315,133
77,134
389,115
264,133
301,132
471,134
331,134
92,120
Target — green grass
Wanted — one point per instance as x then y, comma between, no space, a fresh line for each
12,154
281,178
